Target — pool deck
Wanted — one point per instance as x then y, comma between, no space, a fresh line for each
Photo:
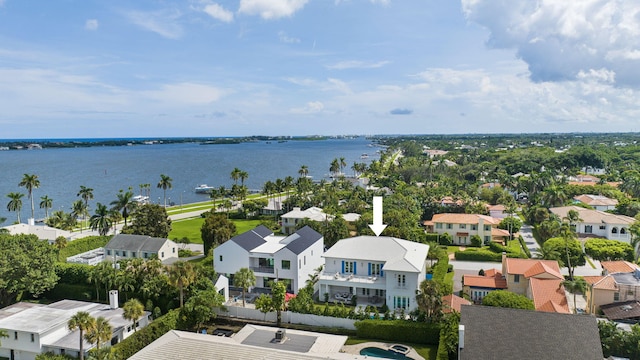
355,349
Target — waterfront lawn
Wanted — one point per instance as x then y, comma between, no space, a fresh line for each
190,228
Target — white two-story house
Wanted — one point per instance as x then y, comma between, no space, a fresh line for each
378,269
595,223
292,258
291,219
462,227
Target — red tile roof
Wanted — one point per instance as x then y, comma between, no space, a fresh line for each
618,266
490,282
549,295
453,302
454,218
537,267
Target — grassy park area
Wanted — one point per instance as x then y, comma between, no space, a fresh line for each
190,228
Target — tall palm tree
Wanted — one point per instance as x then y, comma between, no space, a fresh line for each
335,167
30,182
101,220
304,171
82,321
243,176
86,194
124,204
164,184
181,274
15,204
578,285
244,278
60,243
46,203
100,333
343,164
235,175
132,311
79,209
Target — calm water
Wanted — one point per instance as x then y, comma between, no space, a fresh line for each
108,169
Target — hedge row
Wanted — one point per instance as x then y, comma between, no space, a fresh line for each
146,336
524,246
79,246
399,331
441,268
478,255
70,291
431,237
73,273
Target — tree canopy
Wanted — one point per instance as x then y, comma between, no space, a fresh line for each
507,299
215,230
608,250
151,220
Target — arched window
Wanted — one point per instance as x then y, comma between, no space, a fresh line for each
614,230
623,231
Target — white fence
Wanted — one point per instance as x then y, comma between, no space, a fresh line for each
287,317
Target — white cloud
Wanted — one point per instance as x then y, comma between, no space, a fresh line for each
311,107
561,39
186,93
355,64
218,12
91,24
287,39
163,22
271,9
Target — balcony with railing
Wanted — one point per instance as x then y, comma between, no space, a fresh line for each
263,269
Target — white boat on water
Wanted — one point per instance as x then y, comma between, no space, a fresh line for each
364,156
203,189
140,199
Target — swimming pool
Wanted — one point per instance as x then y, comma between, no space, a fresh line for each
381,353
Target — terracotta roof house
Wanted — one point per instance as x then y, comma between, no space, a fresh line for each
478,286
292,258
611,288
598,202
453,302
378,269
291,219
597,223
462,226
610,267
489,333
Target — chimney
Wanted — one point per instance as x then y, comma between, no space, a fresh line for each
460,337
113,299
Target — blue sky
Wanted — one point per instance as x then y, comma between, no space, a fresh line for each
83,68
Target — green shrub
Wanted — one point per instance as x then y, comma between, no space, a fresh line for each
431,237
399,330
476,241
478,255
73,273
79,246
608,250
70,291
146,336
445,239
524,246
441,268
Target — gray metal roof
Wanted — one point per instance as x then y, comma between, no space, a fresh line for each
502,333
305,237
136,243
251,239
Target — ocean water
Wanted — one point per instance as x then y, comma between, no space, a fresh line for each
108,169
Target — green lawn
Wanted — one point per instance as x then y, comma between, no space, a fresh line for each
426,351
190,228
514,245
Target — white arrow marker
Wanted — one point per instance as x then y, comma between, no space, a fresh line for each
377,225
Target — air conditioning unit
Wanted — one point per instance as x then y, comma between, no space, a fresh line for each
281,335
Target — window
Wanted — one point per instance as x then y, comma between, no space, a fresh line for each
438,225
349,267
174,250
623,231
375,269
474,227
33,338
401,302
108,252
516,278
304,260
162,254
602,227
463,226
133,254
402,280
588,229
614,230
449,226
15,335
299,264
117,253
616,296
286,265
220,257
487,239
147,255
487,228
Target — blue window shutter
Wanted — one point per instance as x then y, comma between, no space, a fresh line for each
343,266
354,267
369,269
381,273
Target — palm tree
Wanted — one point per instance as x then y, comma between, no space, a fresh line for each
46,204
335,167
82,321
343,164
101,332
243,176
125,204
304,171
132,311
164,184
86,194
578,285
79,209
30,182
244,278
101,220
60,243
235,174
15,204
181,274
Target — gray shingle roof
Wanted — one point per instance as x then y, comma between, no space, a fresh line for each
306,237
135,243
501,333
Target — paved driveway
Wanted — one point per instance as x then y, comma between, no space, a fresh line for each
532,244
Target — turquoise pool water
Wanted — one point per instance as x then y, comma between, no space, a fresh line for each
381,353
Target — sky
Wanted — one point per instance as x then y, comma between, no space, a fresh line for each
160,68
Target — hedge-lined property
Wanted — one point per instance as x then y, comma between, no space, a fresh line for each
146,336
399,331
79,246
